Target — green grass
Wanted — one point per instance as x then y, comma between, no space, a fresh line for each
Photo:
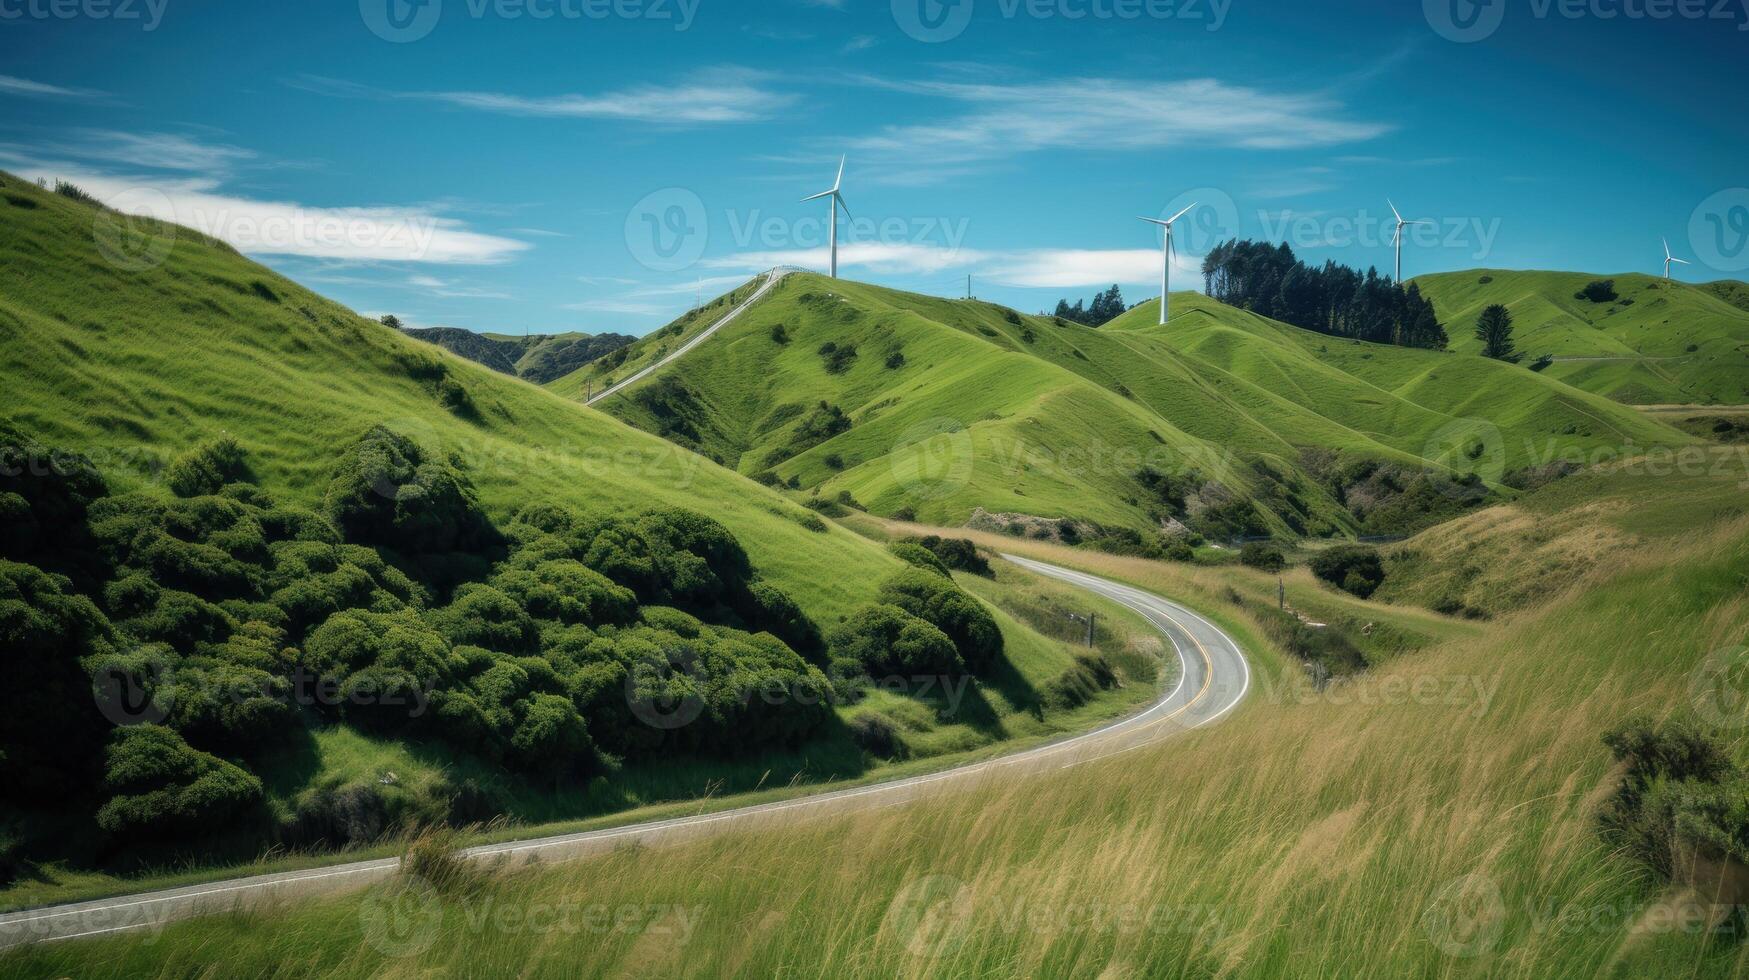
1358,832
1019,414
1673,344
136,365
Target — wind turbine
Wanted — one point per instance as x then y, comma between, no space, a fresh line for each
837,202
1668,258
1166,266
1401,224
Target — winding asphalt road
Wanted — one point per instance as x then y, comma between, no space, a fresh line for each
772,278
1212,680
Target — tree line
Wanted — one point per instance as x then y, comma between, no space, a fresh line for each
1107,306
1332,299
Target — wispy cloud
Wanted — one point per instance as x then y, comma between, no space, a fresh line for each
157,151
723,95
1031,268
1000,120
384,233
10,85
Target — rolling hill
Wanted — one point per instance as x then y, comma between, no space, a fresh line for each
1657,343
538,358
943,408
240,478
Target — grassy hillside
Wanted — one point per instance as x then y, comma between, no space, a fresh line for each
947,406
146,366
1438,818
1657,343
538,358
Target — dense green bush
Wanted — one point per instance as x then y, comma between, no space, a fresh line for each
207,468
960,616
915,554
878,736
389,491
1264,556
1355,569
1678,787
50,730
886,639
158,786
955,553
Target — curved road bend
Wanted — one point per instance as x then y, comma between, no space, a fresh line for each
1213,679
772,278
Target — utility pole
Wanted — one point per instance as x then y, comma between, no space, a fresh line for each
968,285
1281,593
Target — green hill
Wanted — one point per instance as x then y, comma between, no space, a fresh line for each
538,358
214,479
941,408
1657,343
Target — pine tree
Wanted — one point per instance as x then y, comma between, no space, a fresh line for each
1494,330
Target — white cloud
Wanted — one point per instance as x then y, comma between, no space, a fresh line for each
10,85
715,96
257,227
1004,119
158,151
1029,268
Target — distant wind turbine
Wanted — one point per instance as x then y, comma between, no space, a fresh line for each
1166,267
1401,224
837,202
1668,258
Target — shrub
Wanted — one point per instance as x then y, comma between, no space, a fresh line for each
833,461
483,616
955,553
567,591
778,334
895,360
452,395
160,787
205,469
1354,568
1261,555
837,358
941,603
1542,362
888,640
919,556
389,491
770,609
907,514
878,736
1079,683
1597,291
1671,785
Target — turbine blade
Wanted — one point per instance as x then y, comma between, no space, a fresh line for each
816,197
1394,211
840,199
840,181
1180,214
1679,261
1154,221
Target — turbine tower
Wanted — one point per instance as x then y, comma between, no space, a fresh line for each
832,219
1401,224
1166,265
1668,258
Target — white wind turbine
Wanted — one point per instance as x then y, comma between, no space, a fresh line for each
1166,267
837,202
1401,224
1668,258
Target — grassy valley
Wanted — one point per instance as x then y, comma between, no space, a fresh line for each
537,358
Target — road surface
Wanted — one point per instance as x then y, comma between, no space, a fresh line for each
772,278
1212,680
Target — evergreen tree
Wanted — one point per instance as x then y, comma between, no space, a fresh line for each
1494,330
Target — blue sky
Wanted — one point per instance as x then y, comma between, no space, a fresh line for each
545,165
